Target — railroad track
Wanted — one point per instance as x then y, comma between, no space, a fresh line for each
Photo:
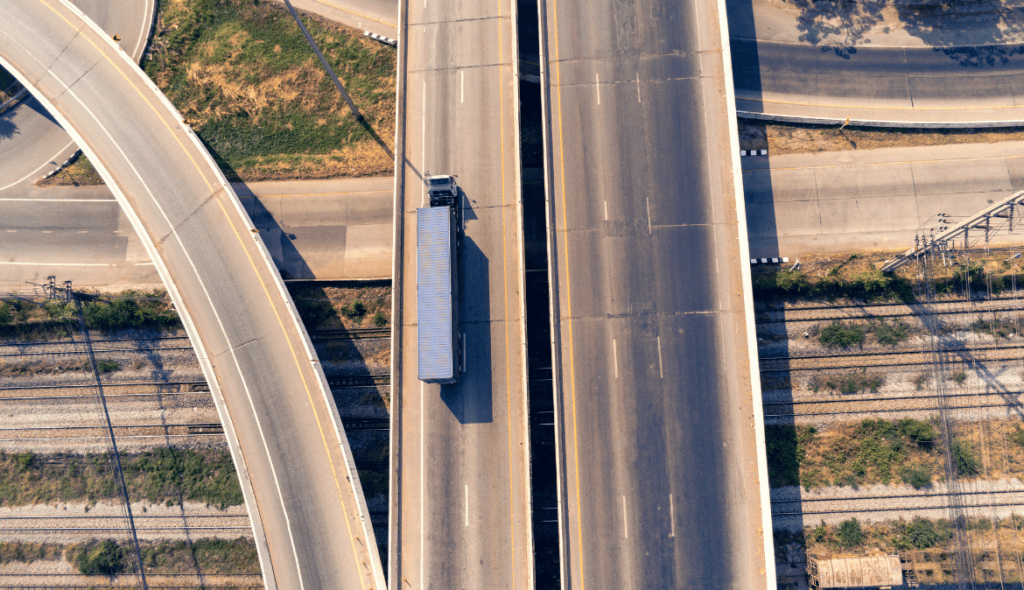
885,359
169,429
353,334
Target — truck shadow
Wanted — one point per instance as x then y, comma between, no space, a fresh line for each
471,399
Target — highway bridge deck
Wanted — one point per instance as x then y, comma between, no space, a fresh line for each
658,408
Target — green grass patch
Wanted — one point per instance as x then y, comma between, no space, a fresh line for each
43,319
243,76
167,473
132,310
158,476
29,552
870,285
107,366
212,556
871,451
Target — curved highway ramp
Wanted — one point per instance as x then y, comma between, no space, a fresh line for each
301,487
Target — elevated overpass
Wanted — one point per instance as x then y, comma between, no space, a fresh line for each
301,487
658,421
460,477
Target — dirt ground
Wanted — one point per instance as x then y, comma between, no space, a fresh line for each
785,138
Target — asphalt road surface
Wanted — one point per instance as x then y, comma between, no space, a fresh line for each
34,143
663,483
302,492
314,230
460,453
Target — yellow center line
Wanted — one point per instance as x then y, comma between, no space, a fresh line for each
128,78
266,291
305,385
568,297
504,273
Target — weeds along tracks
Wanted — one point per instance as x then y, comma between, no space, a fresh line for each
860,407
794,315
884,358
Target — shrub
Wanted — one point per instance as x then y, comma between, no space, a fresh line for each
918,476
356,309
923,534
841,335
786,448
850,533
920,381
151,311
1018,437
380,320
315,312
103,558
891,334
5,314
108,366
963,457
959,377
919,431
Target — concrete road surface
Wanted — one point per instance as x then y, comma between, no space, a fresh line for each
314,230
36,143
302,491
460,454
880,76
376,16
661,459
871,199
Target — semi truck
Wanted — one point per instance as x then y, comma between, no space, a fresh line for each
437,284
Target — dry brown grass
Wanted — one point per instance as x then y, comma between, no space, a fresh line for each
244,78
42,367
783,138
79,173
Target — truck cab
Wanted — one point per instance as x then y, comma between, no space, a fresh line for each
442,191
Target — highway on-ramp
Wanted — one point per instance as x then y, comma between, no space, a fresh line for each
460,507
302,492
661,458
38,145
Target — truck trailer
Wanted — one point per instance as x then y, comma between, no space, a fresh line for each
437,285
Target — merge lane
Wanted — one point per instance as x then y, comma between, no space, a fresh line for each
461,514
304,499
659,463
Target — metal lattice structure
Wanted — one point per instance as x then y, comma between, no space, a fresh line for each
980,228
